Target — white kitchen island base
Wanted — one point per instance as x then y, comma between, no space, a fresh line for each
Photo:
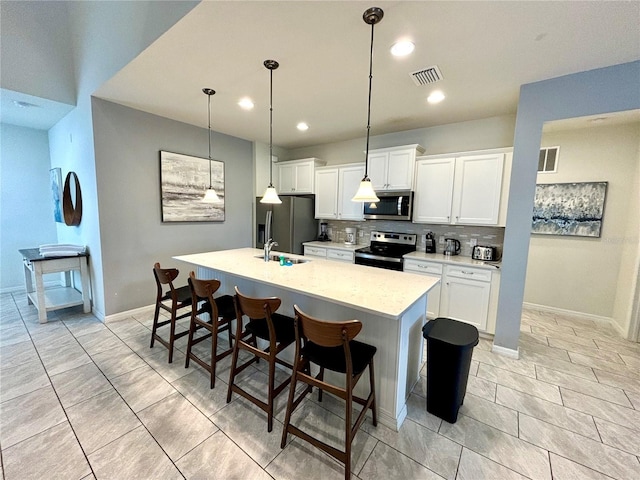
392,318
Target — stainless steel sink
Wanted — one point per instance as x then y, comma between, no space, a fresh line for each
276,258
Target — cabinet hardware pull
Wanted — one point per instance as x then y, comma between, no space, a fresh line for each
467,273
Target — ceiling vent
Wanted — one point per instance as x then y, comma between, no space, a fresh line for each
427,76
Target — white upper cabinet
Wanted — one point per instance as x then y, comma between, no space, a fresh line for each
465,189
335,186
392,168
297,176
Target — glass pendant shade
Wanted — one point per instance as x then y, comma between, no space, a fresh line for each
210,196
365,192
270,196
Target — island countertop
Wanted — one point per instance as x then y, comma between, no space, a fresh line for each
379,291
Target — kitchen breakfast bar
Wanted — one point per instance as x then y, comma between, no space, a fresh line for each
391,306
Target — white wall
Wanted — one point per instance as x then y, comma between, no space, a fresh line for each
494,132
581,274
132,235
26,204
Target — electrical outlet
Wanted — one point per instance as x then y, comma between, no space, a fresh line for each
361,234
441,240
330,231
473,242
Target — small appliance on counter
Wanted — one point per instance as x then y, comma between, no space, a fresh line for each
451,246
429,243
324,236
480,252
350,236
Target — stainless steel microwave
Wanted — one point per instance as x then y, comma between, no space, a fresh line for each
397,205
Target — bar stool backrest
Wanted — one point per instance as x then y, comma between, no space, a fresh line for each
204,290
164,276
256,308
324,333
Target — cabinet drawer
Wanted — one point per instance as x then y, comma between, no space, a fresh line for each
476,274
342,255
315,252
418,266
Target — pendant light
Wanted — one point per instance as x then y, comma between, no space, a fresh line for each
270,194
210,196
365,192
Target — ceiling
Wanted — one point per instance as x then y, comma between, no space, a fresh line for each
485,51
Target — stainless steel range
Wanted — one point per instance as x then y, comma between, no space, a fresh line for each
386,250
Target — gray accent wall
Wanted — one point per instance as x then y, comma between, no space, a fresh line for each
132,235
604,90
26,204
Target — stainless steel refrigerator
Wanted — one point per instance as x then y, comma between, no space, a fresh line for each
292,222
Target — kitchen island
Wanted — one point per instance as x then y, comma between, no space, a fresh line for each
391,306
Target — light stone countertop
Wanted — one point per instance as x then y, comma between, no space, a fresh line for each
453,260
381,292
334,245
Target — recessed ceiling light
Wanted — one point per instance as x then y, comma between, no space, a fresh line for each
436,97
245,103
302,127
402,48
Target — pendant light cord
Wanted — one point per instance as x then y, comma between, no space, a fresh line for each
270,128
209,114
366,159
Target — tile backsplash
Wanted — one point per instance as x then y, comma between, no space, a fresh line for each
487,236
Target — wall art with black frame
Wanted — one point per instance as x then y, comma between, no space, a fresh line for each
184,180
573,209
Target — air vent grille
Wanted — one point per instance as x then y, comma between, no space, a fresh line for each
427,76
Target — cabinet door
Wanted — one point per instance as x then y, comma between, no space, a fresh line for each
478,186
378,166
327,193
348,182
433,190
286,175
340,255
466,300
315,252
400,169
304,178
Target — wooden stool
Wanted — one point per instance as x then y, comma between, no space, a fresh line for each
267,325
172,301
330,345
221,312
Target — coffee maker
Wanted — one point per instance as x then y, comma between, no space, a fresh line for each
429,243
324,236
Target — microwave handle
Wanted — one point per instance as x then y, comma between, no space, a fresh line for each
399,206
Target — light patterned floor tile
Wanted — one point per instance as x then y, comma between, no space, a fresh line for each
589,351
142,387
134,455
474,467
566,336
565,469
500,447
385,463
548,351
613,367
99,341
17,354
53,453
491,413
117,361
601,409
521,383
301,460
78,384
128,327
620,437
516,366
20,379
580,449
618,345
482,388
560,365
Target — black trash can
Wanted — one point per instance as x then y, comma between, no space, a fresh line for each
449,348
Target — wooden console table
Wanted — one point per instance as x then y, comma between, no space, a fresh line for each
55,298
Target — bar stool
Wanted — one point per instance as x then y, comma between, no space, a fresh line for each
221,312
330,345
173,300
267,325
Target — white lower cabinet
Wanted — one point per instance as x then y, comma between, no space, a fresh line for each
336,254
466,293
432,269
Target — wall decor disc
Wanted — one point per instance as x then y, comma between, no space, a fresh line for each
72,213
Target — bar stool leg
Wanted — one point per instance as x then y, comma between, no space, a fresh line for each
373,391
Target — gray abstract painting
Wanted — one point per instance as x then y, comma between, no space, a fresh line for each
569,209
184,180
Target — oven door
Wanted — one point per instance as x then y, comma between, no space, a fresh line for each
392,206
381,262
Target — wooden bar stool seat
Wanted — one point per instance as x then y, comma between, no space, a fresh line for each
173,300
267,325
220,312
331,346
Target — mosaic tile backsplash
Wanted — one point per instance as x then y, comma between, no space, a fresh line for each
487,236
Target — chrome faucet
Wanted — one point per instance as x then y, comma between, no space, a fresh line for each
268,245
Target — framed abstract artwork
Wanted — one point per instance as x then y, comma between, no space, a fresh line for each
55,181
574,209
183,182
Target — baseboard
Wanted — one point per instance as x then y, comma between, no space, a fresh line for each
571,313
129,313
506,352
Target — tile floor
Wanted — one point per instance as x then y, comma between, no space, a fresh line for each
81,400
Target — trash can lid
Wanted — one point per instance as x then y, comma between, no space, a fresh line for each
451,331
